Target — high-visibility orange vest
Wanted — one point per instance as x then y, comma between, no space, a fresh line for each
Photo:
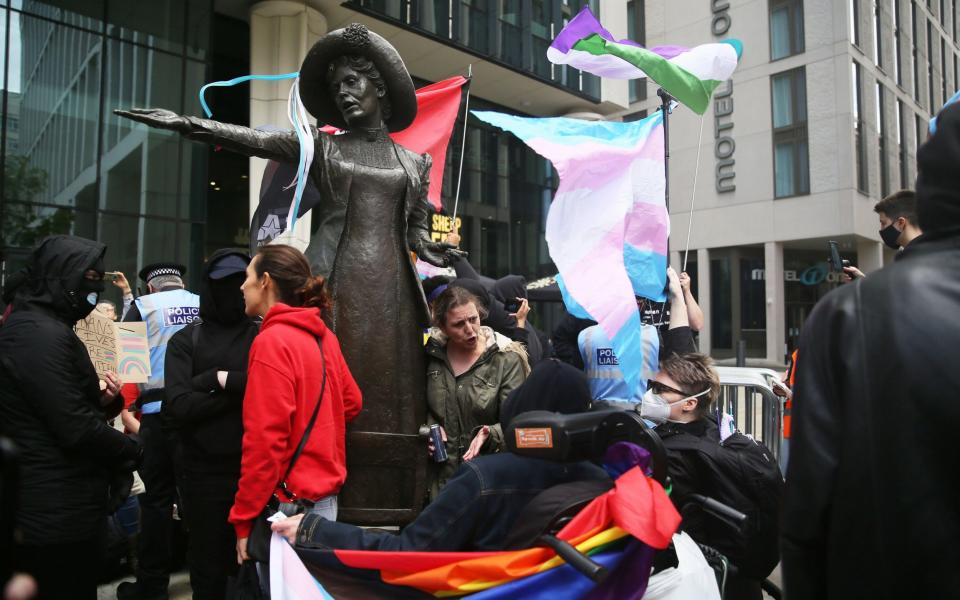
788,405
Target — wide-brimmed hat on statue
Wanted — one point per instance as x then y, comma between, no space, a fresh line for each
357,40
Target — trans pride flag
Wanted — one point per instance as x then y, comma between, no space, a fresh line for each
688,74
608,225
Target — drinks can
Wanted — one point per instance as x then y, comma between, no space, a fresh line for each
439,448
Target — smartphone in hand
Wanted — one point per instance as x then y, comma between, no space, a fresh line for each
836,263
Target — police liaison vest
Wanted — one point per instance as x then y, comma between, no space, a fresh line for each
165,313
602,366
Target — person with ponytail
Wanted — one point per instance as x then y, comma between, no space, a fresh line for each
294,357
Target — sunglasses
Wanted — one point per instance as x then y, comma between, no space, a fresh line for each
659,388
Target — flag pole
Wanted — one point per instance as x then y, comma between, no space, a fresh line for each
665,100
463,147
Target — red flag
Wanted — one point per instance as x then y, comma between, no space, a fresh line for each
437,108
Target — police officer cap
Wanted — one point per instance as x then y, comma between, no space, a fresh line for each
159,269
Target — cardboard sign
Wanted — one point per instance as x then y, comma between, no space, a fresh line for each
118,347
99,336
133,353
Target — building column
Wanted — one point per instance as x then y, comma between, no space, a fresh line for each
703,296
281,33
676,261
869,255
776,301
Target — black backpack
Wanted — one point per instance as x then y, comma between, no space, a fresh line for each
744,475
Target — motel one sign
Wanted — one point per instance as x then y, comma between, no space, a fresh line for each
723,144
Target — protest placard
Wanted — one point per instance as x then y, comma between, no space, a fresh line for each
99,336
133,353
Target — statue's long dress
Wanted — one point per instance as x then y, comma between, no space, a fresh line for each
378,303
375,319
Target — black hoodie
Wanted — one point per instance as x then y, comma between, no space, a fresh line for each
50,399
209,417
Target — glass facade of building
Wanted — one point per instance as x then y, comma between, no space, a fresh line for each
515,33
69,164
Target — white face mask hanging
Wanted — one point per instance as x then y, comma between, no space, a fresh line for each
657,409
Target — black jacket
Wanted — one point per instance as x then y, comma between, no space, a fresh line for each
50,403
872,506
209,418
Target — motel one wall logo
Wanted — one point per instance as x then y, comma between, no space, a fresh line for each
723,144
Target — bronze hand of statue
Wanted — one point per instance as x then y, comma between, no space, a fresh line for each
159,118
439,254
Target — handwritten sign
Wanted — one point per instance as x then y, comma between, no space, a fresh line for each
118,347
133,353
99,336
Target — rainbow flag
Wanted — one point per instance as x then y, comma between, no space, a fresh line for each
608,224
621,527
688,74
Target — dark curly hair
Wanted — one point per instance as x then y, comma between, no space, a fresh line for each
365,67
289,269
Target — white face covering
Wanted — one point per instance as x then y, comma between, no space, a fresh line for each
92,298
656,408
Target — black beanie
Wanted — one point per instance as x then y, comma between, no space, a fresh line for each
938,174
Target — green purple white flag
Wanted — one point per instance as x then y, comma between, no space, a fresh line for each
688,74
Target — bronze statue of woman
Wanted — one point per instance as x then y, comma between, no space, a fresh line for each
355,80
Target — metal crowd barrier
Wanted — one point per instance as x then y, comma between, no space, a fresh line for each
746,395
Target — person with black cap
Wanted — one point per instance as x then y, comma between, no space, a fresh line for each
206,375
479,506
374,191
73,465
166,309
873,490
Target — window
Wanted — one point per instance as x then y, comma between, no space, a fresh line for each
786,28
919,134
790,158
913,51
855,22
637,116
860,142
930,65
944,90
897,75
956,71
882,139
73,167
902,148
636,31
877,39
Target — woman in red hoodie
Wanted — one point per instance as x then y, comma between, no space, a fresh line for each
283,388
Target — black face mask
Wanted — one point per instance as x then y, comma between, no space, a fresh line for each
84,298
228,299
889,235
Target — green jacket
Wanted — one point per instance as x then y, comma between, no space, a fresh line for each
463,404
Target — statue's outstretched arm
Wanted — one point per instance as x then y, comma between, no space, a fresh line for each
281,146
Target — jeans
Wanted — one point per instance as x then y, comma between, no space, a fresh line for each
326,508
128,516
475,511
